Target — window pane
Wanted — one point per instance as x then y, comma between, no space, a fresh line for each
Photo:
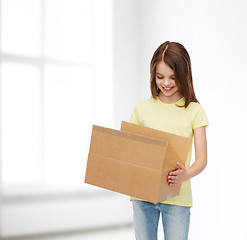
21,124
68,113
21,27
68,30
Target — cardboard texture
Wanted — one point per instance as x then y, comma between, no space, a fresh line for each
135,161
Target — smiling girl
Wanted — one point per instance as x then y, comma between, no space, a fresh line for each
172,108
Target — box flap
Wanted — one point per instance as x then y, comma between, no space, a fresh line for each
171,159
177,145
128,147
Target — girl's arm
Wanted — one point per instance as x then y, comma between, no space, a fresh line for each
181,174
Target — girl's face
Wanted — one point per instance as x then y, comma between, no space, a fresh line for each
165,81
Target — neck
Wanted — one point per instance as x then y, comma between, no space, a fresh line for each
169,100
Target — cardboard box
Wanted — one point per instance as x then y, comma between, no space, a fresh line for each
135,161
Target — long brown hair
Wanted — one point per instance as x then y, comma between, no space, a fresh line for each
177,58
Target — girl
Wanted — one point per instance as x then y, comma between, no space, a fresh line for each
173,108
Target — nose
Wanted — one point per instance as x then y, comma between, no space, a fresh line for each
166,81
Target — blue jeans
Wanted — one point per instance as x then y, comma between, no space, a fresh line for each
175,219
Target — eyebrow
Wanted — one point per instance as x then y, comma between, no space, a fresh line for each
162,74
159,73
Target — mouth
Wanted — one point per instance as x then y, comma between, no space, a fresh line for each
167,89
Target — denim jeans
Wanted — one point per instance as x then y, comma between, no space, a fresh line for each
175,220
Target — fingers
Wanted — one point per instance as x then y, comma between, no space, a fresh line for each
172,179
174,173
177,171
172,183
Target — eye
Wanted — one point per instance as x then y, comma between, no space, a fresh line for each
159,77
173,78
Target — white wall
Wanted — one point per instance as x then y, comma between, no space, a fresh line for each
125,57
214,33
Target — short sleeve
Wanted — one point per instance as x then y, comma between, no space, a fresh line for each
199,117
134,116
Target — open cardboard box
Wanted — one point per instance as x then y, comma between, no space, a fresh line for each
135,161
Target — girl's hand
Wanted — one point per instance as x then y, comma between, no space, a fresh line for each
177,176
182,174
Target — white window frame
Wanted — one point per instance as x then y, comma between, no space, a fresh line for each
96,67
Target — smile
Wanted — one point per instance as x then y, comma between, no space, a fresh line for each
167,89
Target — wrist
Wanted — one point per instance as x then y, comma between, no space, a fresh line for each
186,176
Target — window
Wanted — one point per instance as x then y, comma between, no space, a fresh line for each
56,81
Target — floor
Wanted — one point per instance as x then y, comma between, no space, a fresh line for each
107,235
110,234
